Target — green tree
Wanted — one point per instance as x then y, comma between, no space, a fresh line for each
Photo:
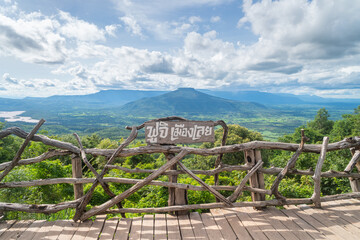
321,123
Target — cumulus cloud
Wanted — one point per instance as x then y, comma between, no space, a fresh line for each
31,39
303,46
319,29
8,79
79,29
132,25
111,29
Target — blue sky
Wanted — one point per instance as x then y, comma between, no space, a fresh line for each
79,47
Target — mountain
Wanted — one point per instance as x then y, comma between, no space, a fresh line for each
256,96
102,99
107,99
189,101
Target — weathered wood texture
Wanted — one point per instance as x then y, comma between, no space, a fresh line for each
336,220
21,150
77,173
177,191
317,179
347,143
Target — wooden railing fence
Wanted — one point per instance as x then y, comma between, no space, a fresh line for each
175,154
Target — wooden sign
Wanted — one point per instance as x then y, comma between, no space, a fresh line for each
173,132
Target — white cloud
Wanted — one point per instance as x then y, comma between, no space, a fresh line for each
32,38
79,29
318,29
215,19
132,25
303,46
194,19
111,29
152,17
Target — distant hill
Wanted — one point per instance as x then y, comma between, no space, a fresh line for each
189,101
102,99
107,99
256,96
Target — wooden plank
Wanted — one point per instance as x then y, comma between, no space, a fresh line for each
223,224
211,227
173,229
109,229
4,226
69,229
29,233
250,225
147,227
96,228
318,225
41,233
345,220
332,224
185,227
292,226
279,226
236,224
160,232
264,224
135,231
123,229
16,229
351,208
198,226
55,230
82,230
309,229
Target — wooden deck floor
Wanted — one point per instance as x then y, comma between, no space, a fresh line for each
336,220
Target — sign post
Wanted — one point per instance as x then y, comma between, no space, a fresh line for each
178,132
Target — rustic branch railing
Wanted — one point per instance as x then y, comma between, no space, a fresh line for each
175,154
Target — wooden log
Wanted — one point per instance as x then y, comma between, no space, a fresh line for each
223,143
21,150
210,189
176,196
230,168
259,204
354,182
353,142
317,179
40,138
49,181
241,186
260,174
41,208
104,185
127,193
355,158
254,182
313,148
80,209
290,164
77,173
51,153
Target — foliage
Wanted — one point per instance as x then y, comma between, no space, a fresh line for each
156,196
